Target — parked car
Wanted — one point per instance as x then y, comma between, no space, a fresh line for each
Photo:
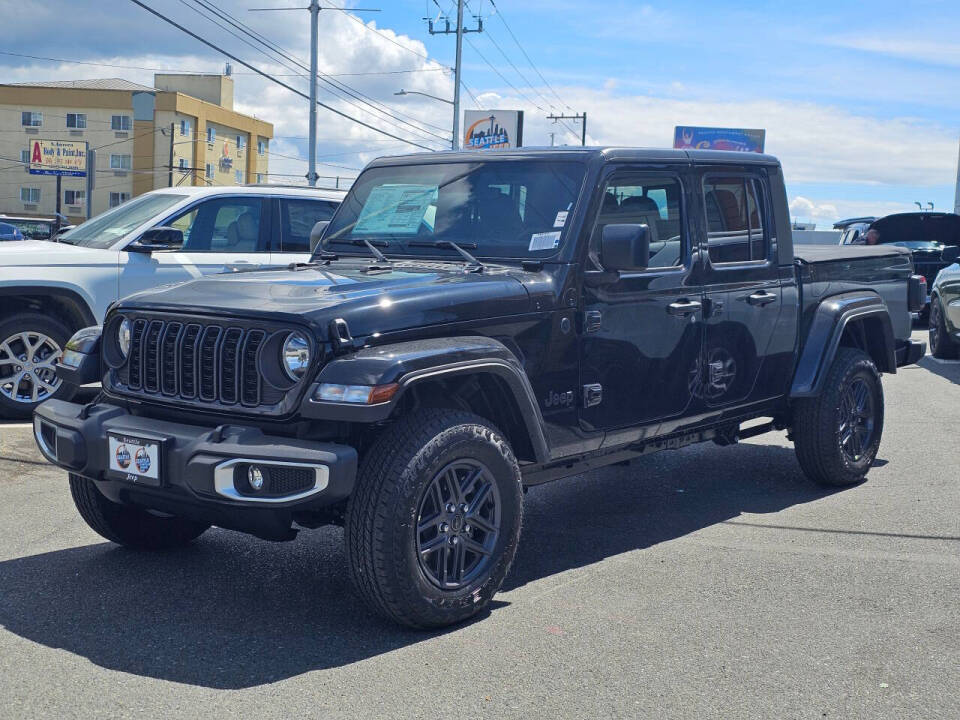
50,290
925,234
853,230
33,228
945,308
470,325
10,232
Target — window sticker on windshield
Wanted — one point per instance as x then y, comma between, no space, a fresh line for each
544,241
561,219
395,209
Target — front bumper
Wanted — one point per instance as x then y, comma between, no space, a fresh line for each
196,466
909,352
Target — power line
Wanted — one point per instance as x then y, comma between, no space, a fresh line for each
271,78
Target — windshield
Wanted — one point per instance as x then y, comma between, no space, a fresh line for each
104,230
503,208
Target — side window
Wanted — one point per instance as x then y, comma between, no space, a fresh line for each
735,227
222,225
648,200
297,218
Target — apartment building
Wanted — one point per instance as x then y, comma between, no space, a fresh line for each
135,130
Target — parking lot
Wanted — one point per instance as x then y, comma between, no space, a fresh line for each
709,582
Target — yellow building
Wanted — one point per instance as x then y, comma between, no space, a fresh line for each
135,131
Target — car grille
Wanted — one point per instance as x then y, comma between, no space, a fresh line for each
197,363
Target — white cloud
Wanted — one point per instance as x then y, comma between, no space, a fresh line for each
926,50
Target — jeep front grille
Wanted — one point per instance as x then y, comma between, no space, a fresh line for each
197,363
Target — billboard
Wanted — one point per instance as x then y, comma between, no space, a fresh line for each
492,129
707,138
58,157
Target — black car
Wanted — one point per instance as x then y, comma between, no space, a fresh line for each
471,325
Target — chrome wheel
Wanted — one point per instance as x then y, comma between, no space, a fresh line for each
855,421
458,524
27,372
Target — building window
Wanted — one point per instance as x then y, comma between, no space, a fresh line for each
238,176
31,196
261,147
76,121
209,171
31,119
25,157
241,142
211,134
182,164
74,197
185,128
120,122
116,198
120,162
259,178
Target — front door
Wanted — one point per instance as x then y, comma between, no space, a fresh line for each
641,335
220,234
745,358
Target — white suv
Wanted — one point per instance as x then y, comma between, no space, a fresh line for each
50,290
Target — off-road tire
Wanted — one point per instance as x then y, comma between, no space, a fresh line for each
130,526
942,346
52,327
381,521
816,422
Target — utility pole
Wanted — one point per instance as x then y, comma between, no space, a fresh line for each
459,31
314,49
91,179
581,116
170,164
956,197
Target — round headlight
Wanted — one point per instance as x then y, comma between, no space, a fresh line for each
296,355
123,337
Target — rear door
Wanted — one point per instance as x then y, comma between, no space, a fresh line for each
294,218
220,234
641,335
743,356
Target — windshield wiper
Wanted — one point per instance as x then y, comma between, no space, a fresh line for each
473,264
370,246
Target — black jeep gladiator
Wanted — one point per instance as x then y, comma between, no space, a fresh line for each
472,324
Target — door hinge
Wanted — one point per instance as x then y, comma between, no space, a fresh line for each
592,320
592,394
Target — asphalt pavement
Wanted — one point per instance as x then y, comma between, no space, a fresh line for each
703,583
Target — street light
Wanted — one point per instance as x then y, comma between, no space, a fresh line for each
417,92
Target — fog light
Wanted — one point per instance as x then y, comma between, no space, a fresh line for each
255,477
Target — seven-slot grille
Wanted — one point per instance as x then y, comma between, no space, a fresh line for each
196,362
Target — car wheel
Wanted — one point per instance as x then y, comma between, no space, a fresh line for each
837,434
942,346
128,525
434,521
30,345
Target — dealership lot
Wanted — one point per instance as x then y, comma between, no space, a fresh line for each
711,582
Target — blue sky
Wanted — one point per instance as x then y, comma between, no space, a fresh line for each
861,102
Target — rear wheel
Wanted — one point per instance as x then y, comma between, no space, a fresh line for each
942,346
433,524
837,434
128,525
30,345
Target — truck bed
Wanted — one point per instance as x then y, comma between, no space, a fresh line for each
811,254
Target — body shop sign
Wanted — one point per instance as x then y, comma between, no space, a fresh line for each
708,138
58,157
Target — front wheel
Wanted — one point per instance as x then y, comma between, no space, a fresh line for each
30,345
433,524
837,434
130,526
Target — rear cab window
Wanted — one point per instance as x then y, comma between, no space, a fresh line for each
735,213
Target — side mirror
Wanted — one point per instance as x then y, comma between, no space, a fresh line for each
158,239
317,234
625,246
950,254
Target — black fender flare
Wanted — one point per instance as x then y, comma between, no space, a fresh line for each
831,318
414,361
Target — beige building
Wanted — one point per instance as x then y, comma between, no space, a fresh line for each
134,130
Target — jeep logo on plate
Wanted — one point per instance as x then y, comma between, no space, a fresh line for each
555,399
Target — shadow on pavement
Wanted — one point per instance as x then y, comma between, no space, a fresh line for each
234,612
948,369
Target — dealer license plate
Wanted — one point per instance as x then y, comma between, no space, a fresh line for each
135,459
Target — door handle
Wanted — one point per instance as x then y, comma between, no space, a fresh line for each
682,308
761,298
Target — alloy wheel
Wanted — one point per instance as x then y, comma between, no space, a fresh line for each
856,420
458,523
27,373
933,323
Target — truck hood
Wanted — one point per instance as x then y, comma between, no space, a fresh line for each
919,231
45,253
412,294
